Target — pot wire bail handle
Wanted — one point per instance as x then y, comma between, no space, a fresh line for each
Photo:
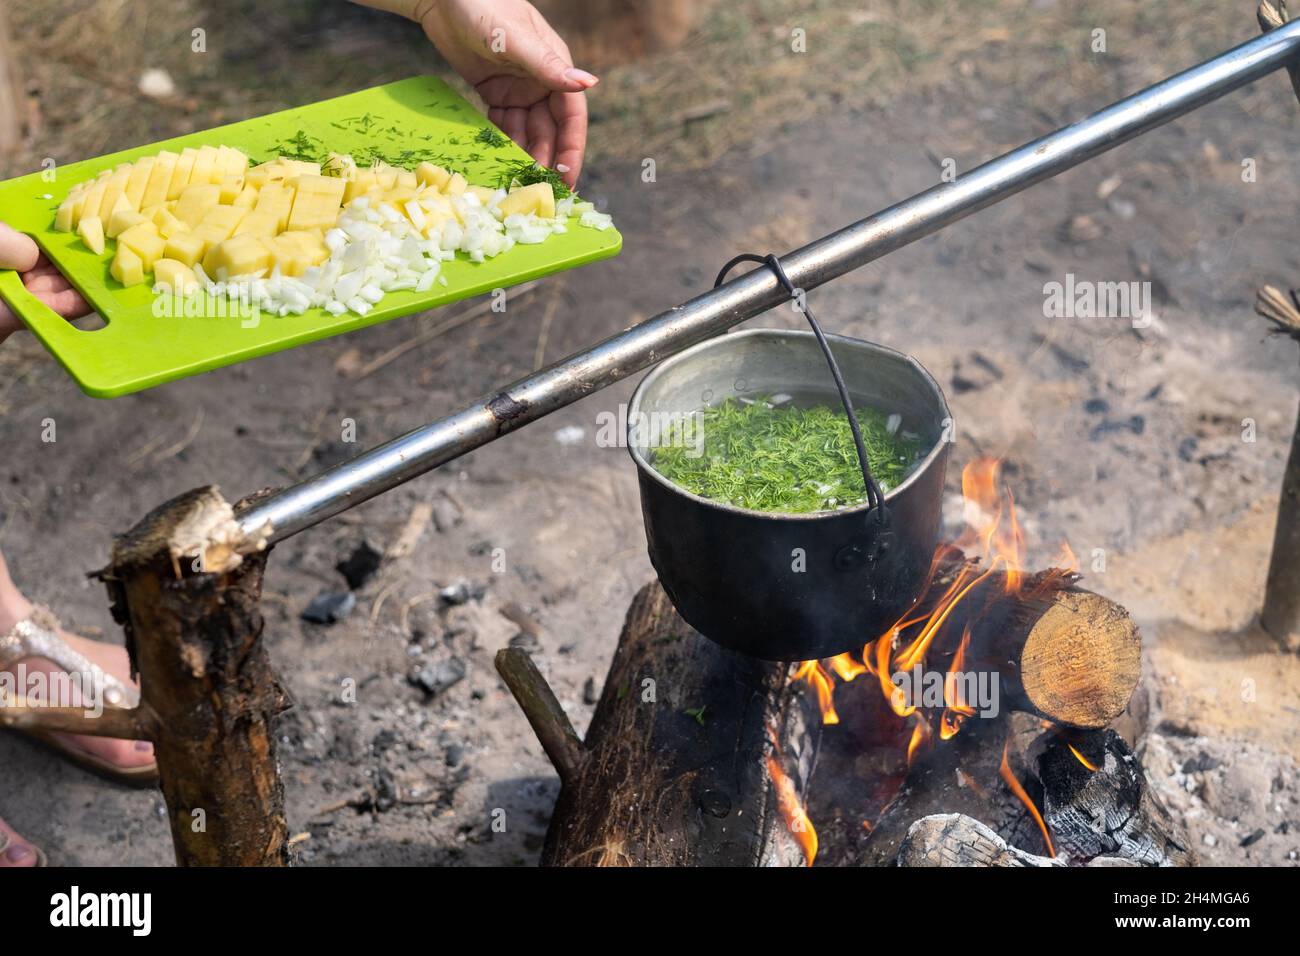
875,498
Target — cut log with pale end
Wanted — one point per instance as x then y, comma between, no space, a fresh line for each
1062,652
188,597
1077,656
696,755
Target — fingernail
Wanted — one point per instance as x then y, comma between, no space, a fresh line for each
19,854
580,76
144,747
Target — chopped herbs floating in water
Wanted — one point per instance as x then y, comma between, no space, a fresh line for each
783,458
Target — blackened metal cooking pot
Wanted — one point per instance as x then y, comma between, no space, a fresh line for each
790,587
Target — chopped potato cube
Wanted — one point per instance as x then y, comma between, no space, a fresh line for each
113,197
195,202
275,198
65,217
258,223
231,187
221,221
241,256
538,198
205,164
316,202
139,179
432,175
145,241
176,275
155,191
91,231
181,174
456,185
364,181
121,221
185,247
168,225
94,198
127,267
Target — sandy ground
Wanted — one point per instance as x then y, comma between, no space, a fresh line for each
1127,443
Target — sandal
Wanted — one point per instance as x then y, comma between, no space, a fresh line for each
38,636
41,858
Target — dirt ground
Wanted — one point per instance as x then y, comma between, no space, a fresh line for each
1128,443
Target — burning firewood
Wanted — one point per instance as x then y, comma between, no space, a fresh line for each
693,776
1097,803
696,755
954,839
951,839
1096,807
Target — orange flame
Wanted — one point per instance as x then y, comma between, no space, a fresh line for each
956,707
920,736
1023,797
1081,758
994,533
820,681
796,819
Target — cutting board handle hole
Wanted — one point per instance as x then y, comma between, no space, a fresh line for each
90,323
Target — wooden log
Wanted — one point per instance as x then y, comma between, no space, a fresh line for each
950,839
1280,615
1066,654
953,839
135,723
1060,651
1097,803
1088,787
185,585
678,765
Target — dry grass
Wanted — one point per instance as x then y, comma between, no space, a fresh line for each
859,57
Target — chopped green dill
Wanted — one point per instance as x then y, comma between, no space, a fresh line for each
489,136
525,172
303,147
783,458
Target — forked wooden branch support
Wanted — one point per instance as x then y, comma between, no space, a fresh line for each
135,724
677,767
185,585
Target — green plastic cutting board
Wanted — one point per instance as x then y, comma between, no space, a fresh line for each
405,121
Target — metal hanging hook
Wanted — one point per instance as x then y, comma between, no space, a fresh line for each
875,497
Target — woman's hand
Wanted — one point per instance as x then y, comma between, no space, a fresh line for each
520,67
40,277
523,71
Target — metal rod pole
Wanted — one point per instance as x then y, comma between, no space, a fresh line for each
300,506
